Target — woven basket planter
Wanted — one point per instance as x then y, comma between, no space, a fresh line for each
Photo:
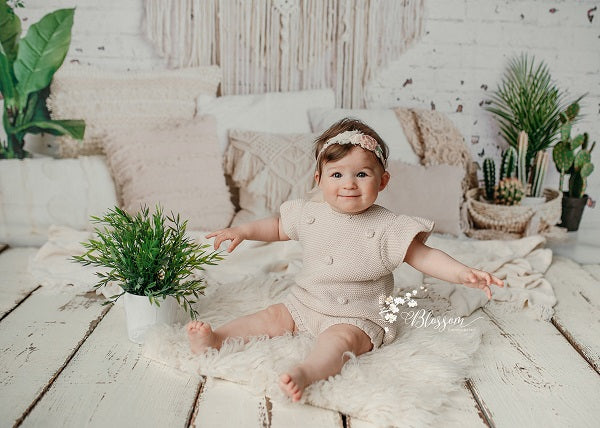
513,220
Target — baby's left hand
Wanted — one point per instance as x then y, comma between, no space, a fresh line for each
479,279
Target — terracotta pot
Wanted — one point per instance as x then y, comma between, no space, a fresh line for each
572,210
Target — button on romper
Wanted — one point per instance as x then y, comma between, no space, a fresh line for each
348,261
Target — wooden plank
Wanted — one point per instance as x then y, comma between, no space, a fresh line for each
577,313
226,404
593,270
109,382
527,374
37,340
15,281
285,414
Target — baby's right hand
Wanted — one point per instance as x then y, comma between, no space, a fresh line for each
230,234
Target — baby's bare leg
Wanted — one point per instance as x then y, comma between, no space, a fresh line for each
326,359
272,321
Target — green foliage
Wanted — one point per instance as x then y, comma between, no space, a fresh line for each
568,161
509,191
527,100
489,177
148,255
27,66
509,163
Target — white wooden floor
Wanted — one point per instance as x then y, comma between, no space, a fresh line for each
66,361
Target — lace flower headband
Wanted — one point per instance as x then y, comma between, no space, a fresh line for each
358,139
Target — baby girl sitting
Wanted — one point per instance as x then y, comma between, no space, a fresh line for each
350,248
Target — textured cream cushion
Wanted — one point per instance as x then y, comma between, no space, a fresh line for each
432,192
383,121
275,112
110,101
37,193
269,169
177,166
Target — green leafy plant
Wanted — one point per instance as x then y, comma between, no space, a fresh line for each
27,66
148,255
527,100
577,164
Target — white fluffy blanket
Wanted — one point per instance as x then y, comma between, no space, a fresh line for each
411,380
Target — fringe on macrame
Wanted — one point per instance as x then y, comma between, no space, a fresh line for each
283,45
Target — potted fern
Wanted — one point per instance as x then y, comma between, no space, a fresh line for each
573,157
528,107
154,262
27,66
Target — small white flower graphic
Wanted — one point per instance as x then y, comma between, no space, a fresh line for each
390,305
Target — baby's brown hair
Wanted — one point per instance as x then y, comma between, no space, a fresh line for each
338,151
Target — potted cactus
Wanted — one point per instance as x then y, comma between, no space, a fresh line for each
514,183
573,157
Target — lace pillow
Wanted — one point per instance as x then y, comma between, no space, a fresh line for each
111,101
269,169
409,187
177,166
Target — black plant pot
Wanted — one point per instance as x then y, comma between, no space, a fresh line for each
572,210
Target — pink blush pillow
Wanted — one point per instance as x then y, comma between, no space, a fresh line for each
433,192
178,166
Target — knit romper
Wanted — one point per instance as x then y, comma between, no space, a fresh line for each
348,261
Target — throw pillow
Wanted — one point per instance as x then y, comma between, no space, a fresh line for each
383,121
112,101
177,166
275,112
37,193
269,169
433,192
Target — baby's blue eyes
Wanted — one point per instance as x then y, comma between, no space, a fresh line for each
339,175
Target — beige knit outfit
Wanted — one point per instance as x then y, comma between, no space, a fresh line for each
348,261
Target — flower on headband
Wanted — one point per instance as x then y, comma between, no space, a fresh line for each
367,142
356,138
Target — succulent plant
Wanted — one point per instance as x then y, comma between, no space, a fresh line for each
489,177
509,191
577,164
522,146
509,163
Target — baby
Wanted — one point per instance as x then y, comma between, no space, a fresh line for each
350,248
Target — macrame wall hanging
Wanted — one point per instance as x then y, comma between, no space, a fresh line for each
286,45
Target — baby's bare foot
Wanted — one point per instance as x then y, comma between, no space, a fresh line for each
201,337
293,383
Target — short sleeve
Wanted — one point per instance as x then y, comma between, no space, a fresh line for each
291,212
399,235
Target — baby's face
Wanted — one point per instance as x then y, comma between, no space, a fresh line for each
351,184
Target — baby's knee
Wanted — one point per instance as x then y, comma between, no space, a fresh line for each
279,318
353,338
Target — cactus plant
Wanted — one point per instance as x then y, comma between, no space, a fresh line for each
509,191
540,166
509,163
577,164
522,144
489,177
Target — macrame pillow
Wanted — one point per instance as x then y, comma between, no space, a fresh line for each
112,101
415,190
269,169
383,121
178,166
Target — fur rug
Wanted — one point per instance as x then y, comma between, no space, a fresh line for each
411,380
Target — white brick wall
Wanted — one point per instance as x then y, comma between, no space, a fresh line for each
458,62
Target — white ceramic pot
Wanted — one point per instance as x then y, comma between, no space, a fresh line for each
141,315
533,200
